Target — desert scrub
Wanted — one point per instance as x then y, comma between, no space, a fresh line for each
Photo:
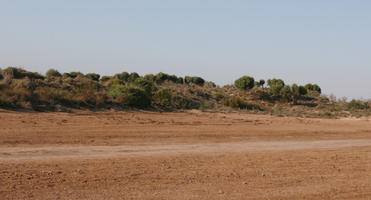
245,83
237,102
50,96
358,105
93,76
218,96
163,98
18,73
130,96
105,78
184,103
145,84
278,110
15,97
53,73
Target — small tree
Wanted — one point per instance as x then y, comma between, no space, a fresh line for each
53,73
150,77
313,88
130,96
75,74
302,90
145,84
261,83
198,80
93,76
180,80
161,77
105,78
286,92
316,88
163,98
124,76
275,86
245,83
173,78
188,79
133,76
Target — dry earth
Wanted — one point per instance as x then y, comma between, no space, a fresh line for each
192,155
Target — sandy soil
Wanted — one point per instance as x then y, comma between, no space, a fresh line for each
192,155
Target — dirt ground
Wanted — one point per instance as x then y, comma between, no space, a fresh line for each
190,155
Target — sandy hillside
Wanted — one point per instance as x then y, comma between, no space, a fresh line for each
192,155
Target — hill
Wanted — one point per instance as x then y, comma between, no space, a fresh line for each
21,89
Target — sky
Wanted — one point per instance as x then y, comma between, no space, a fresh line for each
308,41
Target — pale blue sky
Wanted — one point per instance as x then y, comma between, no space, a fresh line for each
322,41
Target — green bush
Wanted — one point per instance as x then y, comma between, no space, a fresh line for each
210,84
194,80
105,78
26,83
130,96
15,97
262,95
173,78
245,83
313,88
75,74
145,84
286,92
180,80
50,95
93,76
18,73
358,105
150,77
297,92
124,76
133,76
236,102
161,77
188,80
163,98
275,86
261,83
53,73
218,96
184,103
198,80
302,90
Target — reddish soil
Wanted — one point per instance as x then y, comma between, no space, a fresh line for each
192,155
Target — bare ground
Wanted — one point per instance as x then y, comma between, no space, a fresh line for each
193,155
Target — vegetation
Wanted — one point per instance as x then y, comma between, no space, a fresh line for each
164,98
53,73
93,76
30,90
130,96
245,83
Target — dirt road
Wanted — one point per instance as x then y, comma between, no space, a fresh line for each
64,152
193,155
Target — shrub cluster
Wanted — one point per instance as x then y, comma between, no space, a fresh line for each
245,83
130,96
20,88
313,88
358,105
194,80
237,102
